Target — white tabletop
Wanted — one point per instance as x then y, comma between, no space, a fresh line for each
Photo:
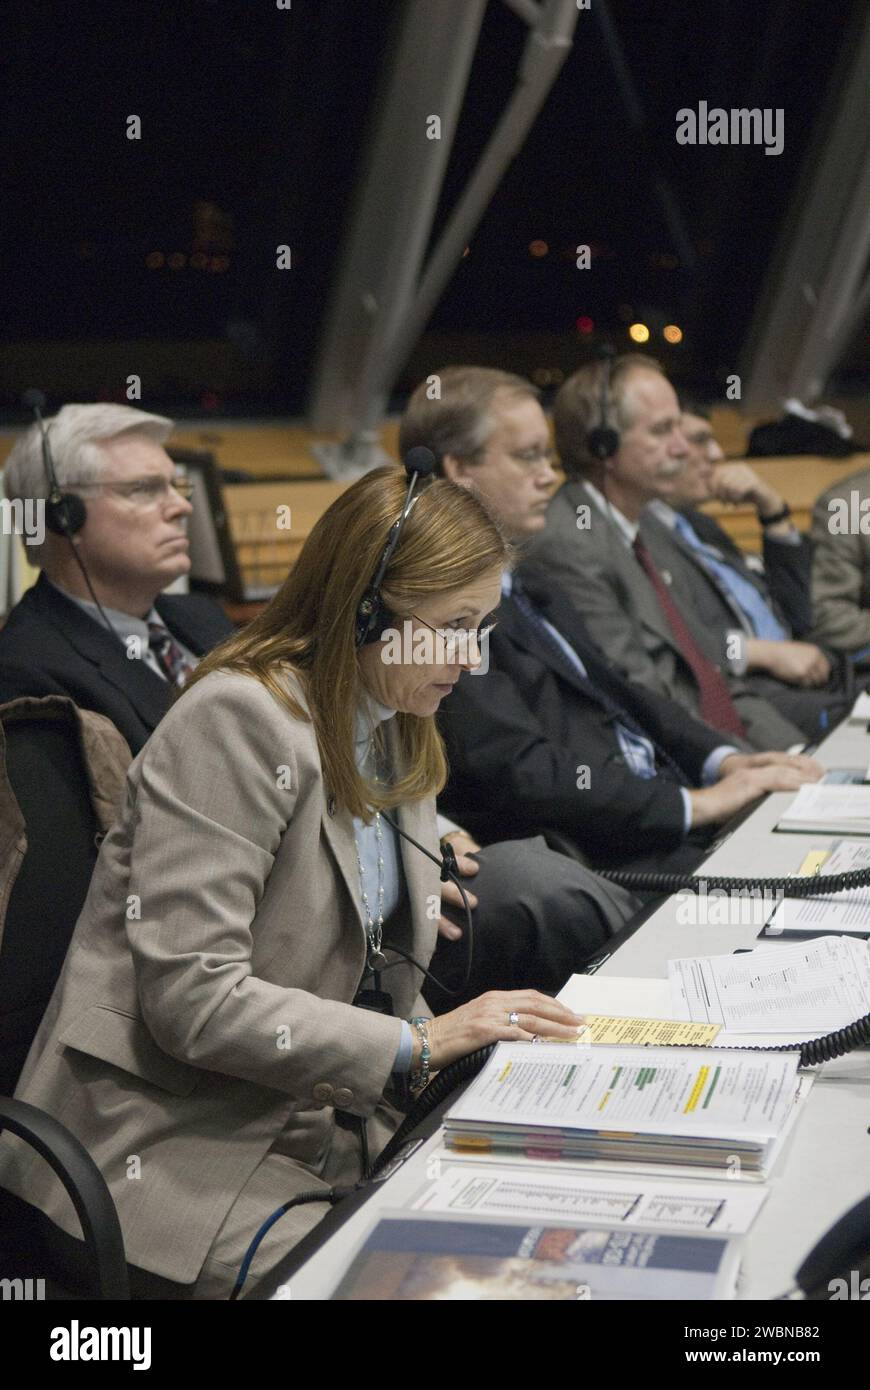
826,1166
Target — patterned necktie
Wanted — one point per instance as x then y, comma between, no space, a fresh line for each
168,654
716,706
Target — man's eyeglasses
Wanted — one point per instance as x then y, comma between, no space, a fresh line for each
530,458
533,458
459,638
142,492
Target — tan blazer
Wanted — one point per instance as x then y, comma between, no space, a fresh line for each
205,1005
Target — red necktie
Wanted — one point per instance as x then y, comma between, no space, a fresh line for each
168,654
716,706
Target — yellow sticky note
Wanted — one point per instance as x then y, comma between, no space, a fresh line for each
645,1032
813,862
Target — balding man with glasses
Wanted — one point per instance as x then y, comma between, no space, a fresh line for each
132,545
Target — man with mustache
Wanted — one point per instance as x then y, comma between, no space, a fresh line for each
620,439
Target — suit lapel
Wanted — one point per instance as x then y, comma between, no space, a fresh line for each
421,876
339,831
178,623
148,695
663,537
514,624
416,819
643,602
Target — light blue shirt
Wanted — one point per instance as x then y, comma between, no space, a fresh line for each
369,715
637,750
758,613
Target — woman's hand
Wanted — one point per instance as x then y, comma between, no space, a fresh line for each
486,1020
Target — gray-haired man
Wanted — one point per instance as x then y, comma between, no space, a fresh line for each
132,545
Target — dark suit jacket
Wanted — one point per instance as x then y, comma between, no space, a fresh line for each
49,646
785,584
517,736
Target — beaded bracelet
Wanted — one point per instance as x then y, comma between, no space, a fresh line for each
420,1078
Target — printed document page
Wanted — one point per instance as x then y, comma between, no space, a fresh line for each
818,985
697,1092
526,1191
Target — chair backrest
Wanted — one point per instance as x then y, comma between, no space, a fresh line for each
47,776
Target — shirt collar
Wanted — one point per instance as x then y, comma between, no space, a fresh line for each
370,712
125,624
665,514
629,529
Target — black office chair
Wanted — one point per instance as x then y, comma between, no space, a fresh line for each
43,771
42,762
28,1248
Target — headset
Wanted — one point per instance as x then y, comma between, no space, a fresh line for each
372,619
65,512
602,441
372,616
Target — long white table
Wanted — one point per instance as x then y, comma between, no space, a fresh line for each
826,1167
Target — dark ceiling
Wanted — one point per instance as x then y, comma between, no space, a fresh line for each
162,250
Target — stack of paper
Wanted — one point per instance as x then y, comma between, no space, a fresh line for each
829,810
808,988
651,999
695,1107
496,1187
847,911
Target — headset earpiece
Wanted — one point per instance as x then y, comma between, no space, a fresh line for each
65,512
372,616
602,441
67,515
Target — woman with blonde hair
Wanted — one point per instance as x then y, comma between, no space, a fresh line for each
239,1011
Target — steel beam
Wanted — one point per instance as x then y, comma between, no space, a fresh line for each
383,296
818,281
